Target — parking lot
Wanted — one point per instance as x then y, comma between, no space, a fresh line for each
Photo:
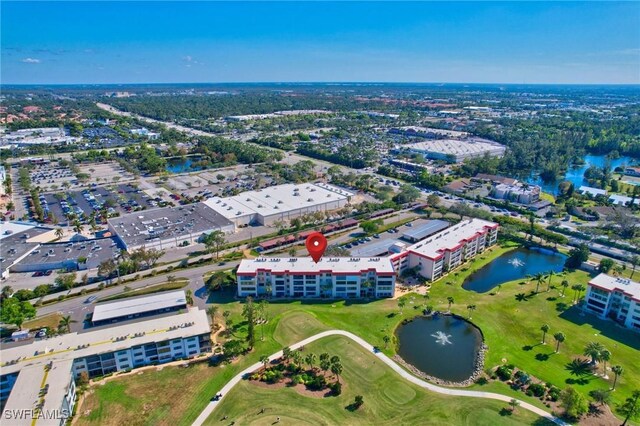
52,176
117,199
207,184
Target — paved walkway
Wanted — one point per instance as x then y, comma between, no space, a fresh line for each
395,367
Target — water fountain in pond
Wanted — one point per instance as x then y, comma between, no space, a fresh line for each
442,338
516,263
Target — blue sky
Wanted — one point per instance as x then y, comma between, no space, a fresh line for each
147,42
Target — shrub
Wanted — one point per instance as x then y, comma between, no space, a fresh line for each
336,388
504,372
482,381
554,393
537,389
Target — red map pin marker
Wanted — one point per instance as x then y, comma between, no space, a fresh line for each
316,245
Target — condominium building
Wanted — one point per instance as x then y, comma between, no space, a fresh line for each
447,249
39,378
339,277
615,298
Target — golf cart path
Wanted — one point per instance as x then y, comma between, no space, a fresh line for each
388,361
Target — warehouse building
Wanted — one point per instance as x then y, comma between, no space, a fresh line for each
447,249
17,240
281,202
138,307
168,227
456,150
615,298
40,376
339,277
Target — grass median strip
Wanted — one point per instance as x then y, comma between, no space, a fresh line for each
158,288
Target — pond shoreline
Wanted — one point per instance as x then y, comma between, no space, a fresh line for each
478,362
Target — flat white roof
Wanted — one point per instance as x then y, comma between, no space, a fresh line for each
622,199
449,239
276,199
25,394
76,345
306,265
8,229
625,285
139,305
458,147
591,190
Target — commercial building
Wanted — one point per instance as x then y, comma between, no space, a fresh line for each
447,249
615,298
17,241
339,277
168,227
40,376
130,308
79,255
43,136
281,202
456,150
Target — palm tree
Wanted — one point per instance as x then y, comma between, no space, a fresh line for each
545,329
559,339
297,358
605,356
212,311
401,304
65,323
617,370
550,275
386,340
564,285
264,359
593,350
336,369
539,278
471,308
579,288
78,227
7,291
310,360
514,403
59,232
451,301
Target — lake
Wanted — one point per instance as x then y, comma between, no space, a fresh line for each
182,165
575,175
514,265
442,346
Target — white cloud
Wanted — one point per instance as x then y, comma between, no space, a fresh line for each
31,61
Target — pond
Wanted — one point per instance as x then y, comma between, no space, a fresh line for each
183,165
441,346
514,265
575,175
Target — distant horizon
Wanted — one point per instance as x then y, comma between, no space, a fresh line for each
148,42
320,83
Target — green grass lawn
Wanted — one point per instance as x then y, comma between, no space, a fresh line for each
511,329
157,288
388,399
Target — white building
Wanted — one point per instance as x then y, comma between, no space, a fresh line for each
594,192
43,136
40,376
340,277
517,193
281,202
447,249
615,298
456,150
622,200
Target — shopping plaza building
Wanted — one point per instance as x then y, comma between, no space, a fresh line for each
615,298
